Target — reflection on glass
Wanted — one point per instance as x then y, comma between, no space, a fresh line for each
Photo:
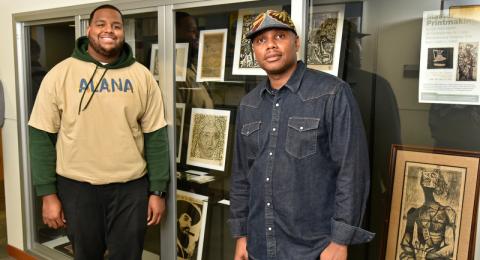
48,45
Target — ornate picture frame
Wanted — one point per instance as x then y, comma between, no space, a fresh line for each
208,138
434,203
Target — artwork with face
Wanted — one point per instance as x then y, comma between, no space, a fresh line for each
191,218
207,145
467,61
433,207
211,55
433,197
324,38
244,62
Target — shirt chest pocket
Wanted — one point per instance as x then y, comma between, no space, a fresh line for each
302,135
251,136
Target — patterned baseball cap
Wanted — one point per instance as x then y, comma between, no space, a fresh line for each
270,19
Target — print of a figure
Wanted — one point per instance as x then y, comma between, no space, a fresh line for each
322,43
467,62
430,228
247,59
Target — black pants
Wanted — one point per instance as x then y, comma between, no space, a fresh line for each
101,217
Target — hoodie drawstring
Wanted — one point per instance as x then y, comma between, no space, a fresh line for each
94,90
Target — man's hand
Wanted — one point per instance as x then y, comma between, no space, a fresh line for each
156,207
52,211
241,249
334,251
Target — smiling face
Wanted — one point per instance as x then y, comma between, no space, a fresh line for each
105,34
276,50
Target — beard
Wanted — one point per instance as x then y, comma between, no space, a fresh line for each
113,52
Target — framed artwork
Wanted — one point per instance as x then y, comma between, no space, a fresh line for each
207,139
181,60
129,28
325,37
211,55
179,122
434,202
154,62
191,219
243,58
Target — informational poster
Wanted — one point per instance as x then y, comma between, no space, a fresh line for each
449,59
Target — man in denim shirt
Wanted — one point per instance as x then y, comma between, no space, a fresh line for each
300,174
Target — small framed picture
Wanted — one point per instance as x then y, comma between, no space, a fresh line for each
154,62
325,37
211,55
244,62
191,219
208,138
434,202
181,60
179,122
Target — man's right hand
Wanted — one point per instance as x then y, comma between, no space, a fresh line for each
241,249
52,211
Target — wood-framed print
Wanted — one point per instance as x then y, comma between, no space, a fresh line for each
154,62
179,123
434,204
211,55
244,62
208,138
325,37
181,61
191,219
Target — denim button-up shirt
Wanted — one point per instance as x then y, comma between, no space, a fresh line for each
300,173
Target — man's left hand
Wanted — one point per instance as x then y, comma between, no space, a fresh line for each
334,251
156,207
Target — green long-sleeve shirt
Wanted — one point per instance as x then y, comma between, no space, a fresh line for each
43,159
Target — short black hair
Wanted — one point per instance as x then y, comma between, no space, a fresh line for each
103,7
179,16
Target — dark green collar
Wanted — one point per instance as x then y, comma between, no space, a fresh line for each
124,60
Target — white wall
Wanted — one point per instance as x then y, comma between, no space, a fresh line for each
9,133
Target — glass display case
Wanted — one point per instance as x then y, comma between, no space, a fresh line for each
204,66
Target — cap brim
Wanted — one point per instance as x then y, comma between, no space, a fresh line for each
251,35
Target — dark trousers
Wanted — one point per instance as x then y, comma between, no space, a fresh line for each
101,217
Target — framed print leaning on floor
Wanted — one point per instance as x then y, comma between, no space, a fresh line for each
191,219
434,204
